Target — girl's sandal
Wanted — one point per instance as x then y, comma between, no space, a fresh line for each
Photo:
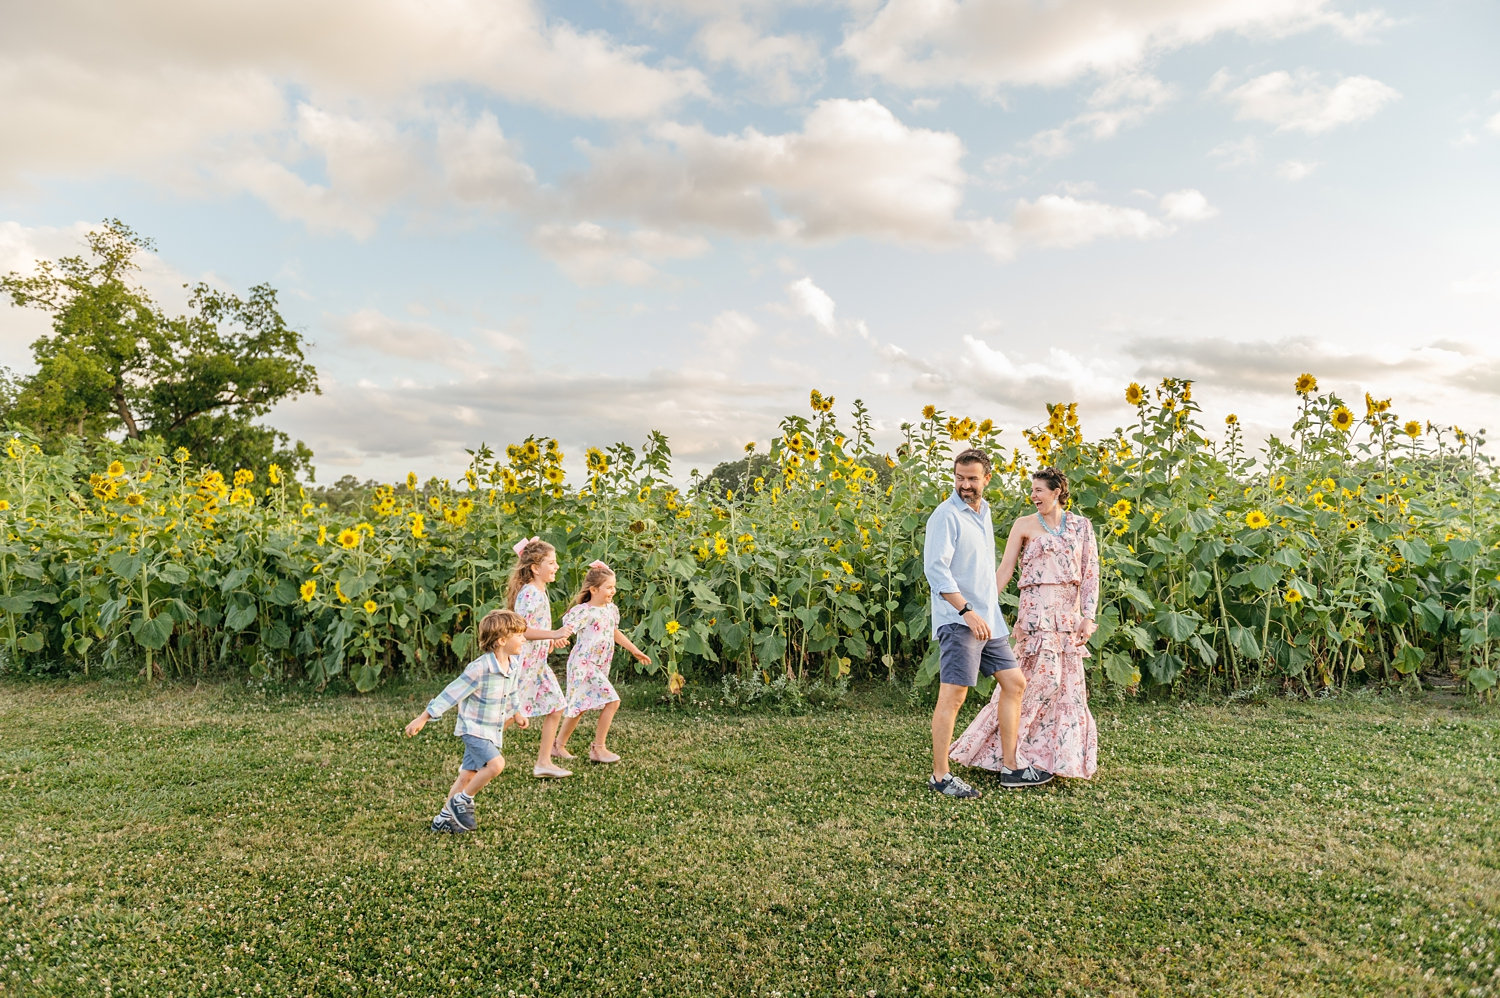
604,757
562,753
550,772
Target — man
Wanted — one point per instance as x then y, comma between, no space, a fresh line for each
959,561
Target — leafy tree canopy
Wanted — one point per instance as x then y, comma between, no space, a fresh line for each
115,363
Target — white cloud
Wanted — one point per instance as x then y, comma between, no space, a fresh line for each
783,67
481,166
1024,385
853,169
726,336
1300,102
987,45
1236,152
590,253
1295,169
812,301
1059,222
1121,102
1493,125
1187,206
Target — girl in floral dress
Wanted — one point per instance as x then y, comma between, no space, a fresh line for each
595,619
1059,560
539,693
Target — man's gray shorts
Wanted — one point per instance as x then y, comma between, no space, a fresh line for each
964,659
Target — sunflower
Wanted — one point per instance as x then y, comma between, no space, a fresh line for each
134,499
673,627
116,469
676,681
1231,419
1119,528
371,606
929,412
816,400
1255,519
322,534
181,455
349,537
1135,394
418,525
1413,429
243,476
1121,508
1292,595
411,481
1306,384
773,602
986,426
721,545
4,505
1342,419
309,590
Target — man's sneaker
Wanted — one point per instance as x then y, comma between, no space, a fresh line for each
952,786
1014,779
445,822
462,808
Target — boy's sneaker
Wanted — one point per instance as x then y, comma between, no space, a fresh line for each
445,822
1014,779
461,806
952,786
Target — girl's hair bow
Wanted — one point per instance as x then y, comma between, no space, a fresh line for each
521,545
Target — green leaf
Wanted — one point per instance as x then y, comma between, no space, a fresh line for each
1264,576
32,642
17,604
277,636
240,615
234,579
173,573
1244,640
153,632
1175,624
1165,667
1481,679
125,565
1290,557
1415,551
1120,669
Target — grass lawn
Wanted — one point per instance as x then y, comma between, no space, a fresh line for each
219,841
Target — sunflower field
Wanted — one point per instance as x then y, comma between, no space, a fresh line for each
1353,550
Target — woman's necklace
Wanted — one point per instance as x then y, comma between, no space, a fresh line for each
1061,524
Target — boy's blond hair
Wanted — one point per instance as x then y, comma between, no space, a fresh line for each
498,625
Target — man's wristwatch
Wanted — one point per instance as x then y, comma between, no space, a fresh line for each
966,608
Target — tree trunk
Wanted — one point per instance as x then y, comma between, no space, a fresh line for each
131,430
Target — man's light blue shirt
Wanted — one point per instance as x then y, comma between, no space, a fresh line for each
958,556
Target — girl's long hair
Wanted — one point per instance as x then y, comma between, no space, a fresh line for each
525,571
594,577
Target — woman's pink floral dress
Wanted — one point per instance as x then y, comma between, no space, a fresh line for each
1059,586
588,663
539,692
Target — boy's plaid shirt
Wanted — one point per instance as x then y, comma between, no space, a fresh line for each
486,693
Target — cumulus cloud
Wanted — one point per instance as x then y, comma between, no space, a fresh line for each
1236,152
1271,366
1058,222
1187,206
987,45
590,253
1119,103
783,67
1301,102
853,169
812,301
1493,125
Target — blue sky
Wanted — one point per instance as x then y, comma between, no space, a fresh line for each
589,220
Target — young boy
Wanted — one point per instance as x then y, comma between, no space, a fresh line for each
485,693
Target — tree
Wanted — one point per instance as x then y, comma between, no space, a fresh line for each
116,364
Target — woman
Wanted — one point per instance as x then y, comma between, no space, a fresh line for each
1059,559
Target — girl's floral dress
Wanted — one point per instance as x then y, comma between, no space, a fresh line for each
539,693
588,663
1059,586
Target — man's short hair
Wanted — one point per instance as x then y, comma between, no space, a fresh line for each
972,456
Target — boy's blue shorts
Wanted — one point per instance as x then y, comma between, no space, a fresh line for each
478,752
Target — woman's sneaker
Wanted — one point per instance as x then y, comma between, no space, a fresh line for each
952,786
1014,779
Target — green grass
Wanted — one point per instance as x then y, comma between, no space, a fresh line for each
218,841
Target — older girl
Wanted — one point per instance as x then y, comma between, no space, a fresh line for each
540,694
